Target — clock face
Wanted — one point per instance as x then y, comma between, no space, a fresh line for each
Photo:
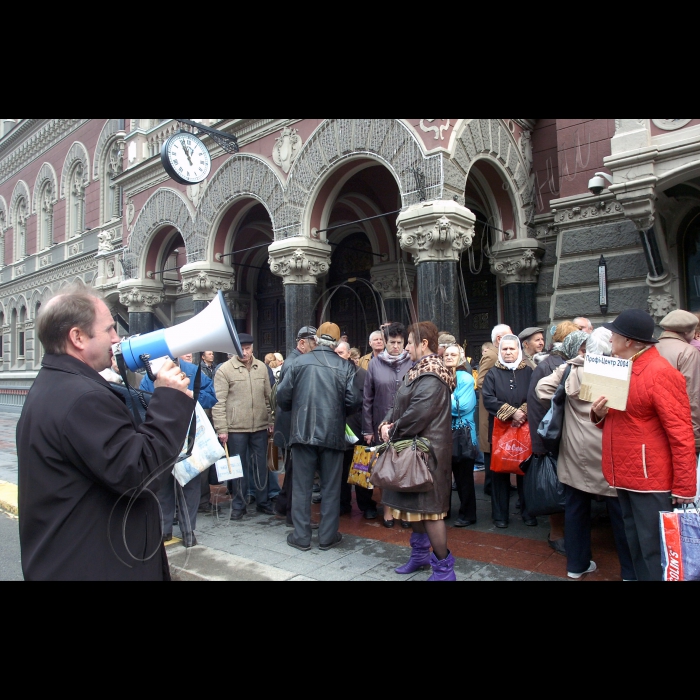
186,159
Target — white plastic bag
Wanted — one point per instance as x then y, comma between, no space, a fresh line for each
207,451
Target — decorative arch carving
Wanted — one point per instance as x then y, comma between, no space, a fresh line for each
109,131
387,140
242,175
77,153
21,190
46,174
165,208
4,216
491,139
39,297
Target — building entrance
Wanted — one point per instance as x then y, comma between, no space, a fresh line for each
272,336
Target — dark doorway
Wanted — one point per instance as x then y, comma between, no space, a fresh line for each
272,335
357,317
482,295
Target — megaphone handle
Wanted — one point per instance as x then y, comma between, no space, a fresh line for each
149,370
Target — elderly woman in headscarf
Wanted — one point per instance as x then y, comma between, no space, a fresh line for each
505,397
579,466
463,406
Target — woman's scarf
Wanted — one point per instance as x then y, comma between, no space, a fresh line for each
432,364
572,344
393,359
511,365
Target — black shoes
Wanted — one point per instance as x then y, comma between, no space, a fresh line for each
530,522
371,514
389,524
237,515
345,510
405,525
265,510
191,543
462,522
338,539
293,543
501,524
559,546
316,499
167,538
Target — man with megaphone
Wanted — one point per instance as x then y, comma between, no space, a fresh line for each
87,474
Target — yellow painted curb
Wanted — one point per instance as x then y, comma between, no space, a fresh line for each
8,498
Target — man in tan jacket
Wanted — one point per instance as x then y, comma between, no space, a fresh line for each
489,359
243,420
674,344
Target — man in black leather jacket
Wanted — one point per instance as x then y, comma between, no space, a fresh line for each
320,391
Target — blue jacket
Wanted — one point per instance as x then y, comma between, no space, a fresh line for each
465,394
207,395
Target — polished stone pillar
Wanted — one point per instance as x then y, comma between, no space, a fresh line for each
141,322
520,306
299,301
438,295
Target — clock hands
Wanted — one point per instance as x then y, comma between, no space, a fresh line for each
187,153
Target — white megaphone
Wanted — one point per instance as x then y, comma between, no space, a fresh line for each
213,329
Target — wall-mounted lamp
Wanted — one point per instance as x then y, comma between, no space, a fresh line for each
603,285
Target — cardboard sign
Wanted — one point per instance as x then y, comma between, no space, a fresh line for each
228,469
609,377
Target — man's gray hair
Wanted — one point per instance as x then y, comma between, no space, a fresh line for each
379,333
500,330
344,344
326,343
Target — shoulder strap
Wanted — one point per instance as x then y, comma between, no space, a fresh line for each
122,371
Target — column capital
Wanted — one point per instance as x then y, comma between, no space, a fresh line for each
394,280
141,296
437,231
300,260
517,261
204,280
239,304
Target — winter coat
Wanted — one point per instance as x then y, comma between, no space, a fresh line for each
207,395
685,358
320,391
580,463
81,459
283,419
505,392
488,362
650,447
355,420
244,398
383,381
423,408
465,396
536,409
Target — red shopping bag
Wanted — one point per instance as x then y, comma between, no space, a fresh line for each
510,447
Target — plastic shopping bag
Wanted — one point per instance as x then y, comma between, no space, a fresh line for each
361,469
511,447
207,451
680,545
544,493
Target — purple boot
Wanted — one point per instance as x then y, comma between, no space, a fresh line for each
443,570
420,555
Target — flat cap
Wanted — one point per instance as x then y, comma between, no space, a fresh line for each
680,322
529,332
446,340
246,339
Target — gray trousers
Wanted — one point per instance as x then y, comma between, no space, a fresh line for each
640,512
329,464
188,503
252,449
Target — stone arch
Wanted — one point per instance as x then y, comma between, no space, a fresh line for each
77,153
390,141
4,217
491,140
17,304
46,174
109,131
242,175
166,207
39,297
21,190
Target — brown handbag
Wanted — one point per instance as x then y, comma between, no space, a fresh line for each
403,467
273,456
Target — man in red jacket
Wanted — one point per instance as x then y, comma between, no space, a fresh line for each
649,449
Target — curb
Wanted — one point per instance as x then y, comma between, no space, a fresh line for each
8,498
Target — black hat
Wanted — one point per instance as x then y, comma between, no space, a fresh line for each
306,333
246,339
634,324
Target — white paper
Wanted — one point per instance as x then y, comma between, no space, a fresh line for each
610,367
225,474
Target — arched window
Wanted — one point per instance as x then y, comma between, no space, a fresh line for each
76,201
47,199
111,193
2,339
21,335
13,337
37,343
20,228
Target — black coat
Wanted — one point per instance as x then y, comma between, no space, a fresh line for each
283,419
320,391
79,453
504,386
536,409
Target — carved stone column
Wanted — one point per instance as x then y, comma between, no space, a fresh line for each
517,264
299,262
395,282
141,297
239,304
436,233
204,280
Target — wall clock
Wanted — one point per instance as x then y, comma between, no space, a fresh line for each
186,159
671,124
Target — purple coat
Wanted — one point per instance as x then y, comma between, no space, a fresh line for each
382,383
